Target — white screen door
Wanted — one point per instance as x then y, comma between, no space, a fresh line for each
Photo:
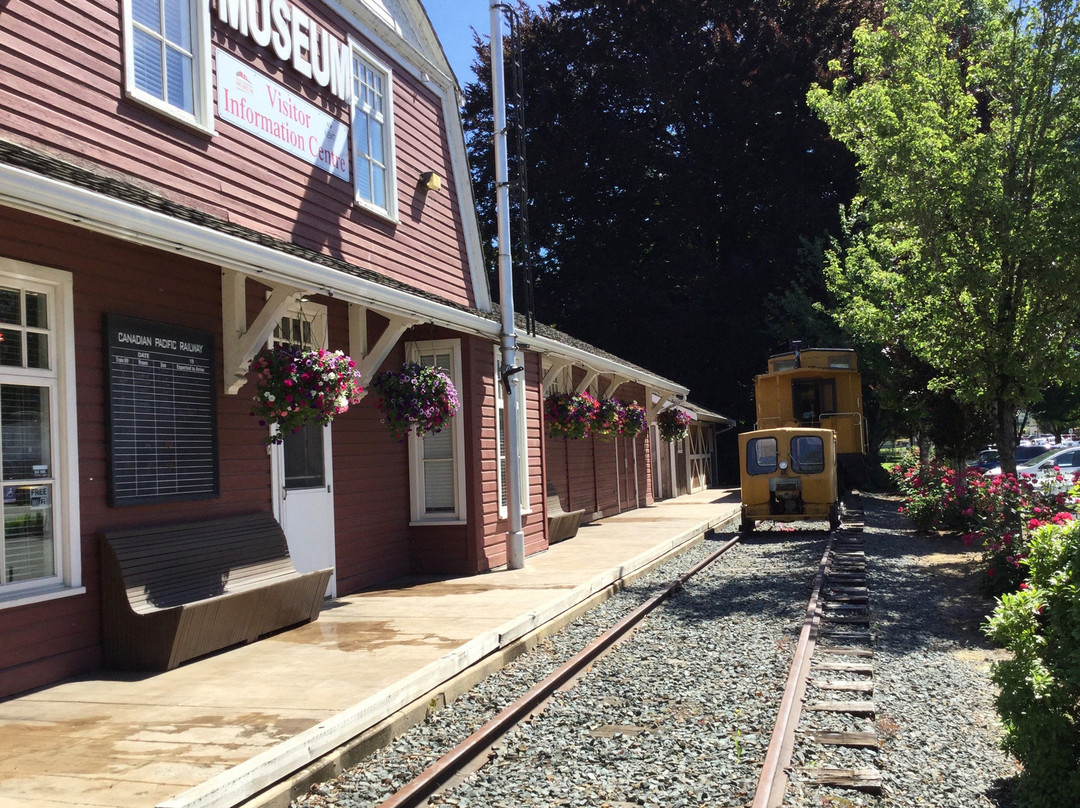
302,470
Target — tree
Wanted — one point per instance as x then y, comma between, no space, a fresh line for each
1058,410
963,243
674,173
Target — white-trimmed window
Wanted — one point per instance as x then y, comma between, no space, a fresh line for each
167,58
437,460
501,433
373,134
39,509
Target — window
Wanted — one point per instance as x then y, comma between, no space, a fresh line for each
807,455
500,432
39,546
372,135
167,58
811,398
437,460
761,455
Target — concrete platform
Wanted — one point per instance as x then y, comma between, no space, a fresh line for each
251,725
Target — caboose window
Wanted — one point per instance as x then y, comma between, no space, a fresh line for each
807,454
811,398
761,455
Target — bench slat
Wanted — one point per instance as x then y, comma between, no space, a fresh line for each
173,592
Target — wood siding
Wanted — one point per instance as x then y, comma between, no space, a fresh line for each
598,474
63,92
112,277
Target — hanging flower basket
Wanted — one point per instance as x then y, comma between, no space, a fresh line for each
673,424
635,419
295,386
417,397
570,415
609,418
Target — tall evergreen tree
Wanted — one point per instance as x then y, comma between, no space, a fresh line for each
674,172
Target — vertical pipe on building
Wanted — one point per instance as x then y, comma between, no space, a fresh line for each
511,366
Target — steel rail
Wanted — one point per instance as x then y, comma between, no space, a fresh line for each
428,781
772,782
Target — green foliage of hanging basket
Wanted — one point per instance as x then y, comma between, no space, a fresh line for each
635,419
674,424
570,415
297,386
415,397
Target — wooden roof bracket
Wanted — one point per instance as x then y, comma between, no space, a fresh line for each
558,364
590,377
617,381
368,359
240,343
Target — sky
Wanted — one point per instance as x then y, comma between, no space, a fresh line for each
453,21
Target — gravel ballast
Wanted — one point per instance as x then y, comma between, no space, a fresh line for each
682,712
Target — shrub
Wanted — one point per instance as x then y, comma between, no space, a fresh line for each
1039,702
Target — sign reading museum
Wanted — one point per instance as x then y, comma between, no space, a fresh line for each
162,414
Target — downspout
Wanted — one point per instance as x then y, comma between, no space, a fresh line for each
512,368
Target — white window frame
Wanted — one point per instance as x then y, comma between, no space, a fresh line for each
202,119
523,439
413,352
60,380
390,210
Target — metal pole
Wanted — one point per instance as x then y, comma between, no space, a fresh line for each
511,371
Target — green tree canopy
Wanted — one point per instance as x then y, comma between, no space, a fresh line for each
962,244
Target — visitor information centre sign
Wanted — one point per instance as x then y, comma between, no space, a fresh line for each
279,116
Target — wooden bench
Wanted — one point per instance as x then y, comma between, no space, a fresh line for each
174,592
562,524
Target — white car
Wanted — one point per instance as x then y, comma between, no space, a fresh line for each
1065,458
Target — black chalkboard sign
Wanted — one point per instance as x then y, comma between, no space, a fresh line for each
161,412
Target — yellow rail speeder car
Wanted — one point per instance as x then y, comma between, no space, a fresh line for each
789,474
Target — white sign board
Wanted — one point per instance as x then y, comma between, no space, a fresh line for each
279,116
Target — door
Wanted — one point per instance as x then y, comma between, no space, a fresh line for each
305,498
301,465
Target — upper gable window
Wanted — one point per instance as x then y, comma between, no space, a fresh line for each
373,134
167,58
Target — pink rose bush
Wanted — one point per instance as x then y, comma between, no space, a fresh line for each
997,513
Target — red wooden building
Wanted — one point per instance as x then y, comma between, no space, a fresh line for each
182,181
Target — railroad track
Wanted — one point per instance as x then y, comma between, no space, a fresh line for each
834,653
470,753
834,657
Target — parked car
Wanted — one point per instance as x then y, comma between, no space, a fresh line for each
989,460
1064,458
986,459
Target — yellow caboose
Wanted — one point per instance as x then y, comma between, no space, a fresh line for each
819,388
787,475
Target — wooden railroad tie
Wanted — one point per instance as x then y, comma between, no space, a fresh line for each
868,740
844,684
846,667
868,780
841,650
851,707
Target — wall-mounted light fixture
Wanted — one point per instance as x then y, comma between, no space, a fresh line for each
431,181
